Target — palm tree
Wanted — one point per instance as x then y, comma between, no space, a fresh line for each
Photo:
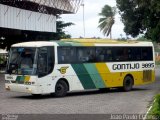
107,20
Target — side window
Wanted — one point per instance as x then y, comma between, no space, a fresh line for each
119,54
147,53
136,53
130,53
42,60
104,54
86,54
50,59
45,60
66,55
100,54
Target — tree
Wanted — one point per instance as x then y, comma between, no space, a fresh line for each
107,20
141,17
61,34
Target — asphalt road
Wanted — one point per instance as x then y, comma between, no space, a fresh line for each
136,101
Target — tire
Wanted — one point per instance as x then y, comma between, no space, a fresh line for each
127,83
61,89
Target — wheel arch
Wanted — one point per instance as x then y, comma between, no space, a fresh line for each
66,81
130,75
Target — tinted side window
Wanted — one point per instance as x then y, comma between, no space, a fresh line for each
50,59
136,53
70,55
120,54
45,61
104,54
66,55
147,53
42,60
86,54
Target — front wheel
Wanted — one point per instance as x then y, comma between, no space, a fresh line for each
61,89
127,83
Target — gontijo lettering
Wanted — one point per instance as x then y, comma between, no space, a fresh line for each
126,66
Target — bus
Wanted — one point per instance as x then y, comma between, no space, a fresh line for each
58,67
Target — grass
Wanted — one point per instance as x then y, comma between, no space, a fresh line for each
157,62
154,113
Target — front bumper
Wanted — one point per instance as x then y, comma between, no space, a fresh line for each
23,88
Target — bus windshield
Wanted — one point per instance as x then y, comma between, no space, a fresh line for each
22,61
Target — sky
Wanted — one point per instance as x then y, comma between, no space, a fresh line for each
91,10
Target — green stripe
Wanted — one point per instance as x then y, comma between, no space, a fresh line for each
60,43
77,44
83,76
20,79
96,78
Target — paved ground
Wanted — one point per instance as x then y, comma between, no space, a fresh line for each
90,102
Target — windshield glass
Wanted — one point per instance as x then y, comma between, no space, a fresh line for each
22,61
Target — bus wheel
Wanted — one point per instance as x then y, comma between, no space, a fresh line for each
127,83
61,89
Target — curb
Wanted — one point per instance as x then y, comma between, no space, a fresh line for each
149,110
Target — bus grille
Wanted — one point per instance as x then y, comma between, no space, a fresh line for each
147,75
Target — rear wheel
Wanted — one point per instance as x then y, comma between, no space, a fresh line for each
61,89
127,83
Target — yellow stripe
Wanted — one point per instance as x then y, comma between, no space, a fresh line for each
107,41
103,71
27,78
87,44
110,79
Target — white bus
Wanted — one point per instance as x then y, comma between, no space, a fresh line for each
80,64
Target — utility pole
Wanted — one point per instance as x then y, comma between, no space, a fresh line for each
83,20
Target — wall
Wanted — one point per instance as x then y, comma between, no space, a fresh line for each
15,18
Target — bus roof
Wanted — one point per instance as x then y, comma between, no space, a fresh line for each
83,42
34,44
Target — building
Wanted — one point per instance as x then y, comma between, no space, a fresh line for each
23,17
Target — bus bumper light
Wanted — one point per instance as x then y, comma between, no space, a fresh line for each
8,88
29,89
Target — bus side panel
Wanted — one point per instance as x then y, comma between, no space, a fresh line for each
115,79
110,79
65,71
97,75
93,72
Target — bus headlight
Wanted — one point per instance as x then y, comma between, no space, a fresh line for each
28,83
8,88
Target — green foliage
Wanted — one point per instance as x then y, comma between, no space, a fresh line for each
142,38
60,34
155,111
141,16
107,20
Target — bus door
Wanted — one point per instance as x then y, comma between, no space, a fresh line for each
45,62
